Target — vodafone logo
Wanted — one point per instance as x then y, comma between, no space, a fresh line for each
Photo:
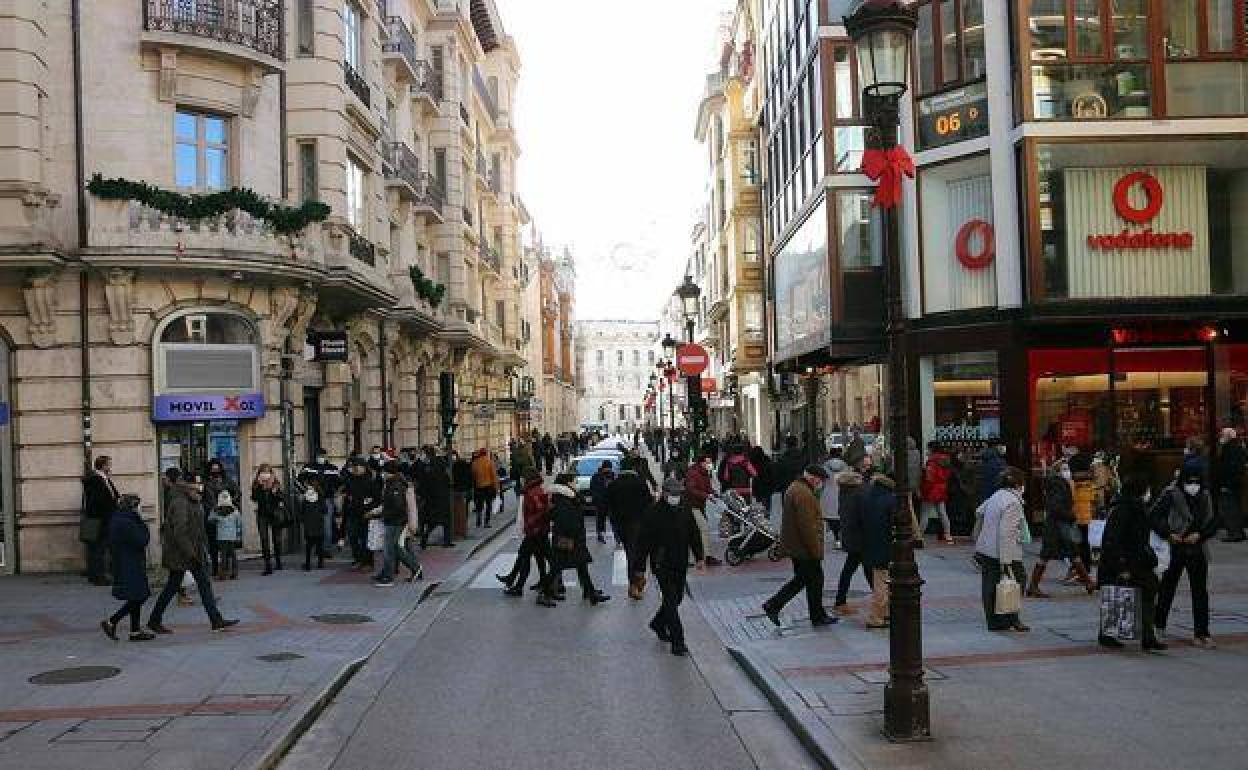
1146,239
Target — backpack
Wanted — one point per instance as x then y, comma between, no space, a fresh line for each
738,474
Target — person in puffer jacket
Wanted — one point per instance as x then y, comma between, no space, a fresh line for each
535,508
849,485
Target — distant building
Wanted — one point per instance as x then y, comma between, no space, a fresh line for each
616,361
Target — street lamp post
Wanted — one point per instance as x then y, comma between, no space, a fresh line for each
689,293
882,31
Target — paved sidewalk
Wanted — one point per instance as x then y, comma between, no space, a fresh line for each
1049,698
196,698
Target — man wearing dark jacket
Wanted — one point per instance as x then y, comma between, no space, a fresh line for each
879,505
801,537
849,485
438,499
99,501
598,497
628,497
360,494
394,516
1229,468
788,466
668,533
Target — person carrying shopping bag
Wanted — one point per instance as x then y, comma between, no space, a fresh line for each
1184,517
999,547
1128,559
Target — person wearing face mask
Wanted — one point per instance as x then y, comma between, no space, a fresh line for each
801,537
1127,559
999,546
266,493
1184,517
667,534
184,546
1059,530
312,514
697,490
395,515
360,493
216,481
375,459
330,476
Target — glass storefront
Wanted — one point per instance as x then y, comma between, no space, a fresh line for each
963,411
1142,219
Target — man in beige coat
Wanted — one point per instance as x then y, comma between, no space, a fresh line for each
801,537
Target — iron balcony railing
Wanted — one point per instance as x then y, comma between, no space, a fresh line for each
399,40
428,81
399,162
362,249
256,24
463,114
489,255
431,192
355,81
467,215
491,104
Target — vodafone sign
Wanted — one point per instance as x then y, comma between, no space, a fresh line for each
1130,212
692,359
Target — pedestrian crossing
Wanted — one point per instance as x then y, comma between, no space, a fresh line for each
501,565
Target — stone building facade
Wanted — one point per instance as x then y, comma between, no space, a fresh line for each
615,361
165,337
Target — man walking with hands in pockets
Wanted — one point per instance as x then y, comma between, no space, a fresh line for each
801,537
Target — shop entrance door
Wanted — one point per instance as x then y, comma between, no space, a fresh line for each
190,445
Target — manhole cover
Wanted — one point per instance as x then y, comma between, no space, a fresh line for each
342,619
279,657
76,675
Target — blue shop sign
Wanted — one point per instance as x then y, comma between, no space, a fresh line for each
207,406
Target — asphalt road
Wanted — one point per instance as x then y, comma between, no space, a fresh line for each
503,683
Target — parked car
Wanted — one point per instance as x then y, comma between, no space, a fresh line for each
585,466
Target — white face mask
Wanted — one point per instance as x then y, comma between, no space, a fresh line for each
1191,489
310,496
265,477
1148,495
1066,474
673,499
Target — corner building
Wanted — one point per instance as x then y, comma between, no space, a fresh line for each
1074,267
162,340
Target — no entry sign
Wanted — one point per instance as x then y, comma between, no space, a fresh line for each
691,359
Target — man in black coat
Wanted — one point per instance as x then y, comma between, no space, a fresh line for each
1229,469
628,497
789,465
360,493
436,490
667,534
99,501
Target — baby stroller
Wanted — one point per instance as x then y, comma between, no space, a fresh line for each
752,531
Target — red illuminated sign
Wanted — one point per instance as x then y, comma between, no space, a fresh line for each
1127,240
987,250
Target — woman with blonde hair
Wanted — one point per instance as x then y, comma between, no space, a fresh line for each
266,493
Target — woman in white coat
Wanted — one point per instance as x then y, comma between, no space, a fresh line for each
999,546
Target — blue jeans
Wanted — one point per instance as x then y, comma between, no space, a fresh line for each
173,583
393,551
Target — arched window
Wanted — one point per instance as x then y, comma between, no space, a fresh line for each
205,351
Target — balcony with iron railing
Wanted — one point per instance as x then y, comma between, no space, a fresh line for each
427,86
357,84
490,257
467,212
245,30
464,116
399,47
400,167
362,249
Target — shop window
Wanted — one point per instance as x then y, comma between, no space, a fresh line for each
1141,219
206,351
950,44
958,240
1205,71
962,407
1070,403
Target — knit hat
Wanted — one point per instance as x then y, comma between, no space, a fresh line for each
223,498
673,486
816,470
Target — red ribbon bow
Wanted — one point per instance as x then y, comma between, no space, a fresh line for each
886,167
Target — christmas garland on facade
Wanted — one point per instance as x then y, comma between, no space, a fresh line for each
286,220
426,288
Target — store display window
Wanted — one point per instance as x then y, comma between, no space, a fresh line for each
1070,403
958,240
1140,219
963,411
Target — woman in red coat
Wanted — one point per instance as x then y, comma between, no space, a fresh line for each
536,512
934,491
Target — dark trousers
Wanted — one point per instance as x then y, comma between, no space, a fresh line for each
535,547
270,541
313,545
807,574
600,519
1231,512
97,558
1192,559
989,576
214,552
132,608
853,560
1084,549
550,464
174,582
229,558
357,537
554,581
672,589
483,500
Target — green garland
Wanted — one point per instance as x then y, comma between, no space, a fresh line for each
286,220
425,288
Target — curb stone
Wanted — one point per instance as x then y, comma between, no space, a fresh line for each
826,749
288,731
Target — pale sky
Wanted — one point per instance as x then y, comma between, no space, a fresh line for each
605,116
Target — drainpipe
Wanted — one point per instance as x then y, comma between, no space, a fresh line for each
282,151
385,390
80,176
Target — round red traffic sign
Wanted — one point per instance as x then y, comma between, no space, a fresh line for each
692,359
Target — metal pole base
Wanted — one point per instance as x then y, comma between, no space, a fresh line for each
906,718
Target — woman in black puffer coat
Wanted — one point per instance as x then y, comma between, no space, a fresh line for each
567,534
1127,558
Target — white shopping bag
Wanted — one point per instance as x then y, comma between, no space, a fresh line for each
1009,598
1162,549
1096,531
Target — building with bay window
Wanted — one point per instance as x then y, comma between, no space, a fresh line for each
261,327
